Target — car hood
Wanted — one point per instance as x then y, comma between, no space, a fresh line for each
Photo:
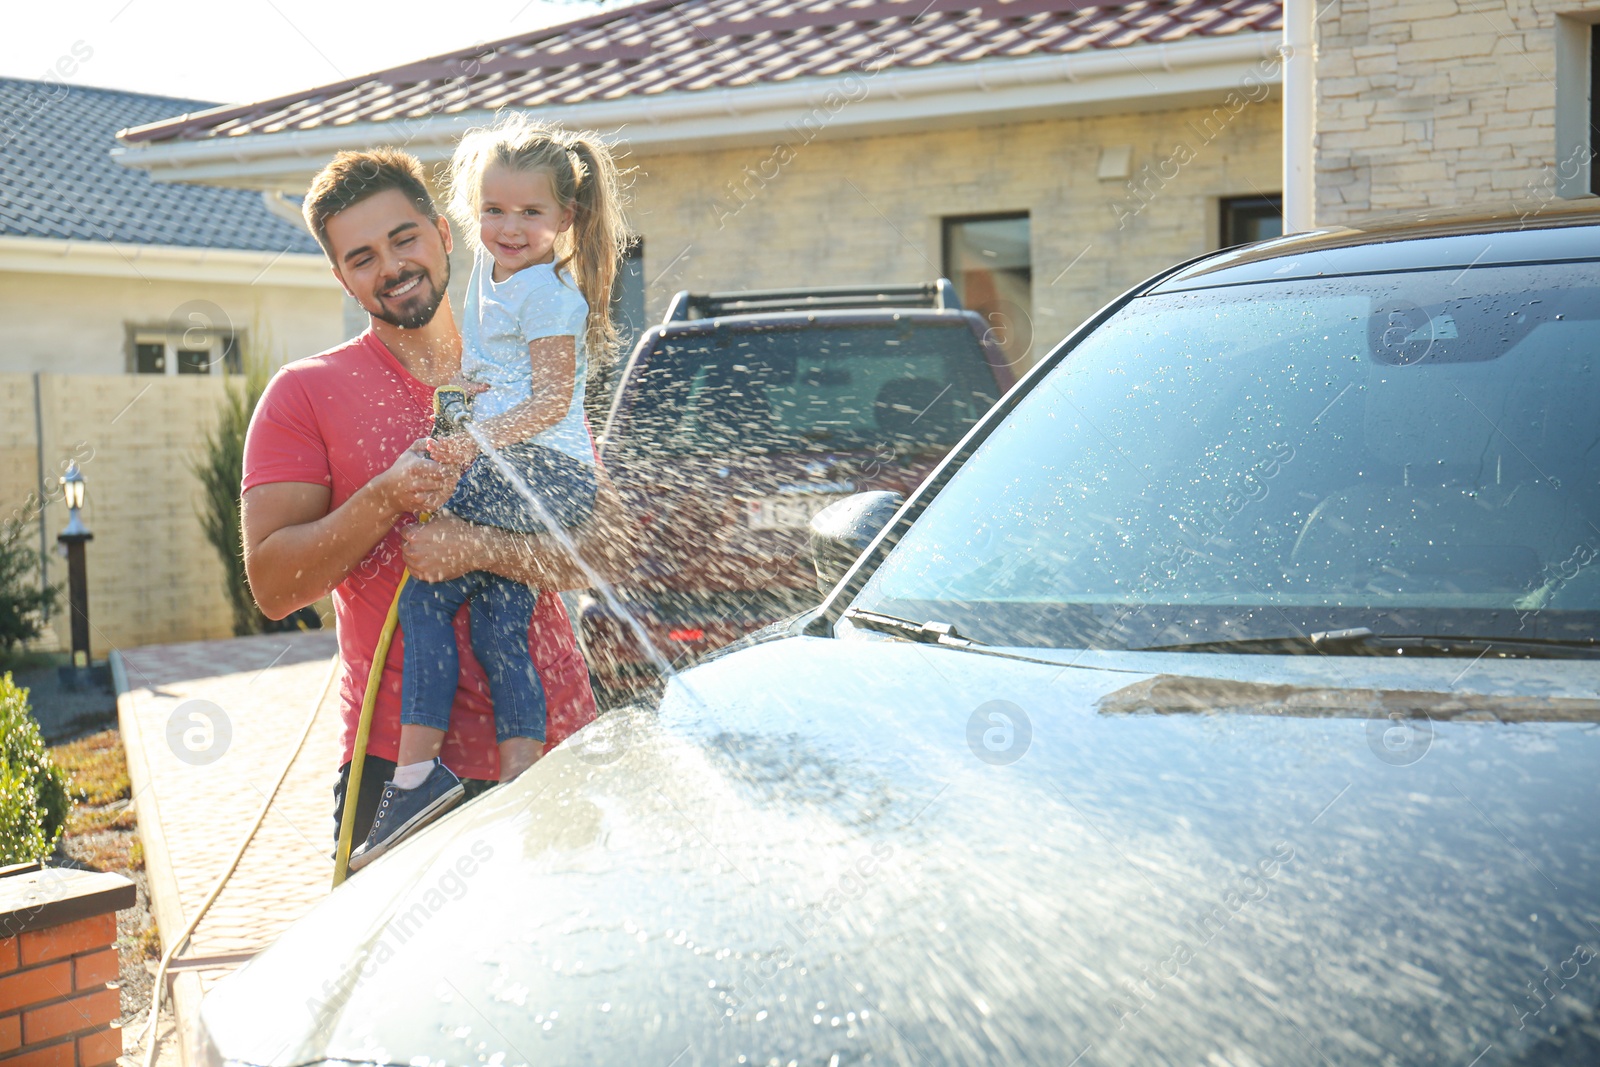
865,851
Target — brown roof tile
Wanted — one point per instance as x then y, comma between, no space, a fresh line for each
694,45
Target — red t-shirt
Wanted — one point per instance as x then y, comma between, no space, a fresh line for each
339,419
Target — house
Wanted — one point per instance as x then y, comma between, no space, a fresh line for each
1039,153
104,271
123,303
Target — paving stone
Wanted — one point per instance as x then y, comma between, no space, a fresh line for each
217,720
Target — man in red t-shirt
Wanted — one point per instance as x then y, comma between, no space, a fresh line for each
334,472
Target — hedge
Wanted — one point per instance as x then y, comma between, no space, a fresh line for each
34,802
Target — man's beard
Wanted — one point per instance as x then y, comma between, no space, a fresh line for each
424,313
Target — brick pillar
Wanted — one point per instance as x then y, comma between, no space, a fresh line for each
59,965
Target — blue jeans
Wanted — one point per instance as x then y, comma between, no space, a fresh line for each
565,487
502,610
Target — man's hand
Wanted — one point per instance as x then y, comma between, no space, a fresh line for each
447,548
296,550
458,450
440,549
416,483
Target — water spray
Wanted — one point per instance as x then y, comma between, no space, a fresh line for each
452,414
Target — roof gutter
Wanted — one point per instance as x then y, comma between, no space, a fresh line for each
108,259
1136,78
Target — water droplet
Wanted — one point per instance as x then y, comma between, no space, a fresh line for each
762,1014
606,1006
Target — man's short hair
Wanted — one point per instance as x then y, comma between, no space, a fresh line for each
351,177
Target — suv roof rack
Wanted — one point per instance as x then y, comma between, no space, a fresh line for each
940,294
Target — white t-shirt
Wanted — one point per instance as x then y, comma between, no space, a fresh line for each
498,321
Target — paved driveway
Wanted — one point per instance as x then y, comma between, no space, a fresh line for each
208,727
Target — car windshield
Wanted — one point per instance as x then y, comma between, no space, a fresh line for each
1415,453
902,386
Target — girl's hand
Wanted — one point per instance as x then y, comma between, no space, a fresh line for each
471,386
457,450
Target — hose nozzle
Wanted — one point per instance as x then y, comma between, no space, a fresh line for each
452,410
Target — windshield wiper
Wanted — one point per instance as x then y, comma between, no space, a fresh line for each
1361,641
928,633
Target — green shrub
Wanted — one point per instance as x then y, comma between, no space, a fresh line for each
220,468
34,802
22,600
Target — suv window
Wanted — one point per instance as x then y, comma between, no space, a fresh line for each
809,388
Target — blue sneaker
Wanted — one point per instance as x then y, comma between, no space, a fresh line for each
403,811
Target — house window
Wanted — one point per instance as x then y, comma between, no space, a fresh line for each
627,294
989,259
627,311
191,351
1246,219
150,357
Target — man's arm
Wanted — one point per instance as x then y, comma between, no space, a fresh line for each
296,550
448,548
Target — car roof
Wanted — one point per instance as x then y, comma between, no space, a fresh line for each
1419,241
797,320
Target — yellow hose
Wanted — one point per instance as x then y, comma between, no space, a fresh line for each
352,789
443,423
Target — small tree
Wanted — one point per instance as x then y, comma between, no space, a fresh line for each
34,802
220,468
23,600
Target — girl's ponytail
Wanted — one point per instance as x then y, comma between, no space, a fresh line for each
599,238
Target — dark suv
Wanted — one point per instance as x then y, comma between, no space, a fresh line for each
742,415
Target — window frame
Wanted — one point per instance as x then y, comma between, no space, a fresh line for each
1228,206
223,348
947,228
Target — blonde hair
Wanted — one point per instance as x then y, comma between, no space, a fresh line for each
583,175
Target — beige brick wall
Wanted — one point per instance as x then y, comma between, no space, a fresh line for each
153,578
868,210
1436,104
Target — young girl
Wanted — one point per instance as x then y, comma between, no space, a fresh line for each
545,206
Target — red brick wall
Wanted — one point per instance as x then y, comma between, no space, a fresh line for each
55,1006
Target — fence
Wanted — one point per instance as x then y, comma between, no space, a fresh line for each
153,577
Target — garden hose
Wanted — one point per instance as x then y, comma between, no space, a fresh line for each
352,789
451,410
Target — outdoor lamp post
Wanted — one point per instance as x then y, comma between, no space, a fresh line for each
72,540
